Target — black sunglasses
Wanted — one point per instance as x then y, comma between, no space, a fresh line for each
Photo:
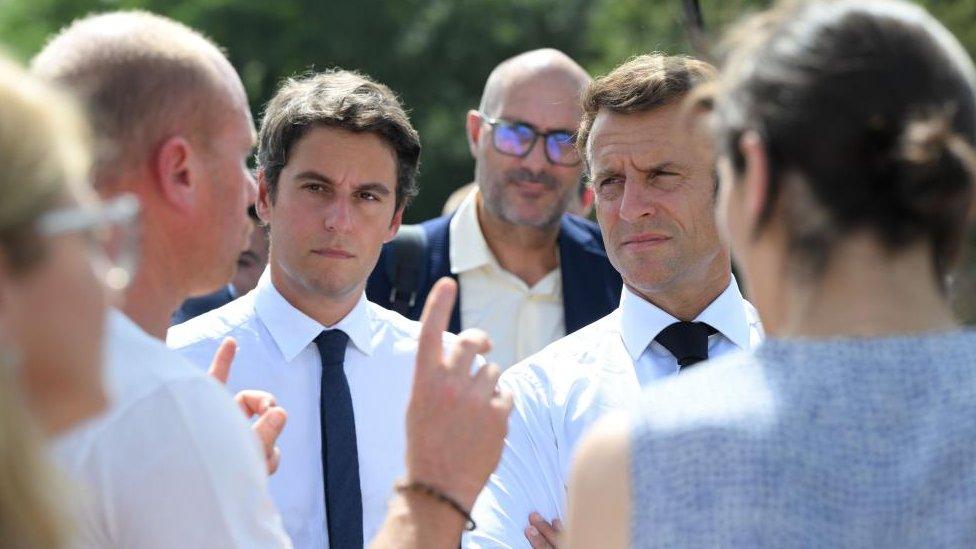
514,138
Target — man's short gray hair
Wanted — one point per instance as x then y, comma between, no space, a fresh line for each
142,77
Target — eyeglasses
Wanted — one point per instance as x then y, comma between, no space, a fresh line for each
111,231
514,138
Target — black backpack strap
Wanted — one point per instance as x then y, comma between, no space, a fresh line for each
406,267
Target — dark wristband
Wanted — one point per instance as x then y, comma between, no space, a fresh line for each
428,490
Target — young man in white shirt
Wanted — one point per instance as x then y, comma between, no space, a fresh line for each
337,164
652,173
172,463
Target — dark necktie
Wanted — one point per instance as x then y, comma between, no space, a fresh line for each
687,341
340,460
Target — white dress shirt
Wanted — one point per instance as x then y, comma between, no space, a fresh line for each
277,353
564,389
172,463
521,320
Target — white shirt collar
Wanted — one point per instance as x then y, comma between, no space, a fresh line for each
641,321
293,330
468,248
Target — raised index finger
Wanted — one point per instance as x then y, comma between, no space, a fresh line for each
220,366
434,321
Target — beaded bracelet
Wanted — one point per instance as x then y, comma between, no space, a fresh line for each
430,491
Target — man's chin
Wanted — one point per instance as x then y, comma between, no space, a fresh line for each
533,218
648,278
333,287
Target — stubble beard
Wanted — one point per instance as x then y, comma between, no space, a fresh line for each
493,196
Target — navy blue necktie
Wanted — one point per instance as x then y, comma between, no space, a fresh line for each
687,341
340,460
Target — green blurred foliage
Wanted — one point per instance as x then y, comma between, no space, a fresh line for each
435,53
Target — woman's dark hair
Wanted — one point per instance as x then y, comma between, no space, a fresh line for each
867,112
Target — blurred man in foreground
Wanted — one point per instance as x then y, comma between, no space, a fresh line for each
173,463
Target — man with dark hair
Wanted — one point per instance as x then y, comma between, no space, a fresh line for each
337,164
528,273
346,100
652,173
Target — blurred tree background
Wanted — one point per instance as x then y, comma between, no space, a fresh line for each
435,53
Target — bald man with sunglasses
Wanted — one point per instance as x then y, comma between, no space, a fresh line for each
529,272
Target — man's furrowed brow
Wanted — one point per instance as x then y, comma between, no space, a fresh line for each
604,172
377,188
667,167
314,176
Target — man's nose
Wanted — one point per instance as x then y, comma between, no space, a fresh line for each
339,216
536,160
636,201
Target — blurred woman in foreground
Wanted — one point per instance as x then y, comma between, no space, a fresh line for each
845,135
52,303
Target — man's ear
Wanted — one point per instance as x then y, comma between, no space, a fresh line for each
473,125
395,224
755,176
174,173
263,203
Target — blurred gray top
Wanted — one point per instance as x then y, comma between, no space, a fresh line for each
859,442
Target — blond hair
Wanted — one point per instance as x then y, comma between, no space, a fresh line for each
44,152
143,78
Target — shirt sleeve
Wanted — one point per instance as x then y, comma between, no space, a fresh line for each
197,480
528,478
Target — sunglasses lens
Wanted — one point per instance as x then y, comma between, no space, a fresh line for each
561,149
513,139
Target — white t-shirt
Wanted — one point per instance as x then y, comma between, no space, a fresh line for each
172,463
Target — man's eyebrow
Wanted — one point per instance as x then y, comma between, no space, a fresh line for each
248,254
604,172
535,128
377,188
373,187
315,176
667,166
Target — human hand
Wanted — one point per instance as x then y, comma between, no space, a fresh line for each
456,421
543,534
271,417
